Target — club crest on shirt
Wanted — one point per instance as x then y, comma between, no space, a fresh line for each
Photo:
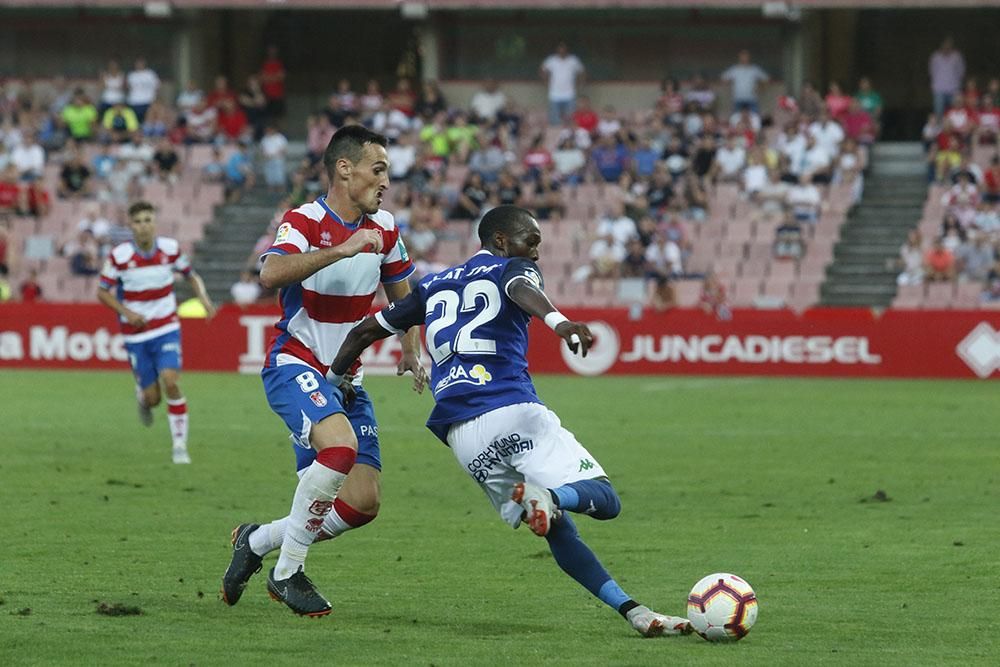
318,398
477,375
282,234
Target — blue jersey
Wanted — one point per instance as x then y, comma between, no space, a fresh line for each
476,335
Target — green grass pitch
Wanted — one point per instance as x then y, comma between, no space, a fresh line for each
771,479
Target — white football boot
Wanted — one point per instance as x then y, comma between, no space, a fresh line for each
650,624
180,454
539,511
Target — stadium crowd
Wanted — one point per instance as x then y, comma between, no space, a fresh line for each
665,195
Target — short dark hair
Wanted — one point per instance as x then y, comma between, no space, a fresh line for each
349,142
501,219
138,207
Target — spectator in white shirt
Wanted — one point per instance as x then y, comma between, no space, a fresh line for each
562,71
273,146
744,77
754,177
28,157
729,160
190,97
828,132
402,156
815,162
618,225
804,200
246,291
143,85
486,103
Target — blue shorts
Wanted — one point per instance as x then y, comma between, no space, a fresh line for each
301,396
150,357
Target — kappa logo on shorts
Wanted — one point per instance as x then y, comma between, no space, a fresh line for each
318,398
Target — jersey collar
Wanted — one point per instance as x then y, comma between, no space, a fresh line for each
321,200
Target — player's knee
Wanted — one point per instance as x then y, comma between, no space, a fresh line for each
334,431
612,505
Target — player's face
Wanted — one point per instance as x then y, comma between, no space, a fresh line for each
369,179
143,226
525,241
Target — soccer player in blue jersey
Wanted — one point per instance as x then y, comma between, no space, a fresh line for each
486,408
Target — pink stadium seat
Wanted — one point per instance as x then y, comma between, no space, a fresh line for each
745,291
908,297
939,295
740,231
687,293
776,289
760,249
967,296
783,270
753,268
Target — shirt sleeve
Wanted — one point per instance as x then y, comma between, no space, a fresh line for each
396,264
109,274
182,264
520,268
292,236
399,316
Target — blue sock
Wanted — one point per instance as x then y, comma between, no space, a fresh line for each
578,561
593,497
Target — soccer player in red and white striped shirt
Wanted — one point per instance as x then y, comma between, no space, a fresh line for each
141,273
328,258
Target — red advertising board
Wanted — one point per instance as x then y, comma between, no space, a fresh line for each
819,342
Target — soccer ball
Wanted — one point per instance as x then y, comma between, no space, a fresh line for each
722,607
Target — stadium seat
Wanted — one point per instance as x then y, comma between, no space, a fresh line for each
908,297
687,293
939,295
745,291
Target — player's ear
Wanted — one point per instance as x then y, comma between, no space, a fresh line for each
344,167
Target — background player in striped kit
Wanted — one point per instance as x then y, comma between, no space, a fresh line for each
141,273
328,258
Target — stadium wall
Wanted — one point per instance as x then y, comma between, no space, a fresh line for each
820,342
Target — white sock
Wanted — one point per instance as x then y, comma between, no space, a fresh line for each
178,418
312,503
269,536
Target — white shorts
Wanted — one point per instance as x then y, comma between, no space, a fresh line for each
515,443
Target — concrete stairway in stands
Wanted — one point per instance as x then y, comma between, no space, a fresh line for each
895,191
229,238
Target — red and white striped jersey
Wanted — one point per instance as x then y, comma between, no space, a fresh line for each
318,313
145,284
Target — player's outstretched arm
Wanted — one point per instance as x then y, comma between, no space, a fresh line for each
357,341
283,270
198,287
532,300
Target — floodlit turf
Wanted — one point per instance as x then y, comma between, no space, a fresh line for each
770,479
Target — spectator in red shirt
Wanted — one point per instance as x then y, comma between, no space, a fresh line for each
538,158
991,182
989,120
837,103
272,79
31,291
403,98
221,93
939,263
962,119
858,124
585,117
232,120
10,191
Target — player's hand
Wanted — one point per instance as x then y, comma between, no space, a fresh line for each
363,240
347,389
410,362
135,319
577,336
